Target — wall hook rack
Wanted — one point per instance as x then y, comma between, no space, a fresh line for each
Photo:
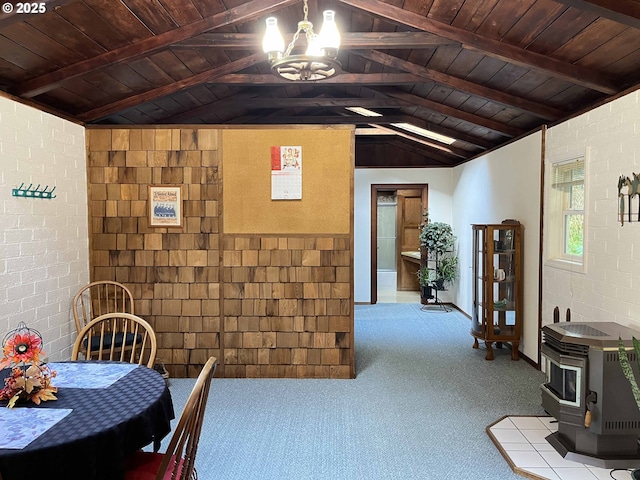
32,192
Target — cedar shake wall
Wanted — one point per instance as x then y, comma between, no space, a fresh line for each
264,304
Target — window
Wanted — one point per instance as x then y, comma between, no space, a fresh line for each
566,216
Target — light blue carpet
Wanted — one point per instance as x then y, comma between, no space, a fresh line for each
418,409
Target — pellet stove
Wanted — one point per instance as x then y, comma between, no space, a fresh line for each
586,391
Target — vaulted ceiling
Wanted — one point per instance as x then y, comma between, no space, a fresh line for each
480,71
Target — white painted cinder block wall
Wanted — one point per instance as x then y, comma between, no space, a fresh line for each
610,288
44,251
502,184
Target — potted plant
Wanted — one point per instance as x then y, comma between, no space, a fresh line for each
447,269
438,240
426,276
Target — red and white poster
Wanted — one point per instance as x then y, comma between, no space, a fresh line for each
286,173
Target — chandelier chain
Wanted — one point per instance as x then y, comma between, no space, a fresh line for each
305,25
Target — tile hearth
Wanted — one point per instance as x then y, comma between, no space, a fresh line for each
521,440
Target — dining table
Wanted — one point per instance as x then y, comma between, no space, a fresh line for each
104,412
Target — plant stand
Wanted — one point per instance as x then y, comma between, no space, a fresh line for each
431,298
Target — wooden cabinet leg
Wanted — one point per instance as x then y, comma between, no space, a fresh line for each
514,352
475,343
489,351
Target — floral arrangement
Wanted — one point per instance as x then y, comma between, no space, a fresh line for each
29,378
436,236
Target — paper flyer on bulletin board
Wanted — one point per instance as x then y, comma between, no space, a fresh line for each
286,173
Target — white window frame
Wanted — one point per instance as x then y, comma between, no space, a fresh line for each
555,218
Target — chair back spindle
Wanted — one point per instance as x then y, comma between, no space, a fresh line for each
117,336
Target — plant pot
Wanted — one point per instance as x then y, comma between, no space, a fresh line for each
439,283
426,292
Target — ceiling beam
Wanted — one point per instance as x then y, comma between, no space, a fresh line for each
498,127
149,95
626,12
324,102
494,48
513,101
239,14
342,79
386,40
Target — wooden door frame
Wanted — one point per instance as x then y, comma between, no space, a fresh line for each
386,187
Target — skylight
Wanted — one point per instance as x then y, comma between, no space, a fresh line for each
365,112
425,133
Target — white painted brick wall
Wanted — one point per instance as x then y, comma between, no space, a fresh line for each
44,251
610,289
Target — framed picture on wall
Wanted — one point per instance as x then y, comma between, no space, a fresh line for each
165,206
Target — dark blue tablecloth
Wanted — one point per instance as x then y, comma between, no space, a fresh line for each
105,426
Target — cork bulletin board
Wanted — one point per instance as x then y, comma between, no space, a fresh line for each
327,181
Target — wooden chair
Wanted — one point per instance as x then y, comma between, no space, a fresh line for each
117,336
98,298
178,462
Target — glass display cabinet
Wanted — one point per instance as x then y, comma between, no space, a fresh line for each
497,286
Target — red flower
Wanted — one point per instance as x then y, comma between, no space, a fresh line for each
25,348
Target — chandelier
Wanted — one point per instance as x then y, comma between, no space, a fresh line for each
318,62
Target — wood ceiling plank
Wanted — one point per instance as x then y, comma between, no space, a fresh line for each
566,26
107,84
152,15
502,19
484,71
445,10
129,77
150,72
66,34
168,89
171,65
193,60
181,11
613,50
22,58
242,13
85,19
588,40
419,7
494,95
41,44
65,100
626,12
121,19
533,23
207,8
472,14
509,53
505,77
464,62
577,98
10,74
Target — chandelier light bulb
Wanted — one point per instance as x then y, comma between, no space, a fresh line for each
273,42
329,35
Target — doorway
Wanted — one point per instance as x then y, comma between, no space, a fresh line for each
396,214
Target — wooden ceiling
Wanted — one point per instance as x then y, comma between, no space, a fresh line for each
480,71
